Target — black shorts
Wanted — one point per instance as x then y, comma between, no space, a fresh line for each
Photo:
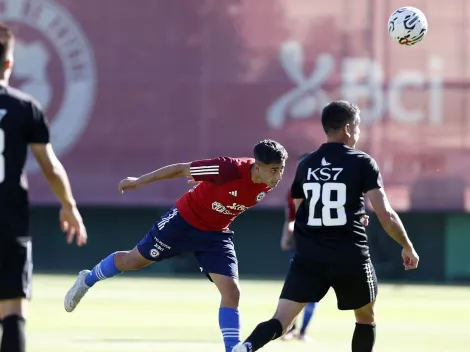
16,267
355,285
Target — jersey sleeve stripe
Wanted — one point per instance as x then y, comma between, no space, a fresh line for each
204,173
194,168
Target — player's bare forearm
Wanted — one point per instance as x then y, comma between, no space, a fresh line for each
54,173
395,229
60,185
388,218
165,173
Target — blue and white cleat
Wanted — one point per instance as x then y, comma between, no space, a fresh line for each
76,293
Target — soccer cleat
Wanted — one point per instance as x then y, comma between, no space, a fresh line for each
304,337
241,347
289,336
76,293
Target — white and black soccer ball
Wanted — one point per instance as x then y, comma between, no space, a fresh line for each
407,26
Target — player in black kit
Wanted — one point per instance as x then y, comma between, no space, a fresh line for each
23,124
331,242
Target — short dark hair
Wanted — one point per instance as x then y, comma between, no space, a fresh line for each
6,41
269,152
337,114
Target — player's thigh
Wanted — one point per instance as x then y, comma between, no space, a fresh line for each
355,285
305,282
16,269
216,254
165,239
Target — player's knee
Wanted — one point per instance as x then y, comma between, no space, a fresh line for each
365,315
14,307
231,297
130,260
230,294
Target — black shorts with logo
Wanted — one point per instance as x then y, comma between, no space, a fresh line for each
16,264
355,284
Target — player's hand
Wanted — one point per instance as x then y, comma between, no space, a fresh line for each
410,258
128,184
192,181
71,223
365,220
285,242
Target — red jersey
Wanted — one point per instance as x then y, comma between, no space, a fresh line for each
290,207
225,192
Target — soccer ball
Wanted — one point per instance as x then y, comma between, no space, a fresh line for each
407,26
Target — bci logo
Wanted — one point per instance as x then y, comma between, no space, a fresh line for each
362,81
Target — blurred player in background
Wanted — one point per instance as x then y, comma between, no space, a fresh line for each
287,244
23,124
331,242
199,223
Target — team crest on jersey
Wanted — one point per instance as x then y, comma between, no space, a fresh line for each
260,196
55,64
154,253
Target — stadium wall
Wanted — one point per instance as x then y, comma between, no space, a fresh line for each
439,238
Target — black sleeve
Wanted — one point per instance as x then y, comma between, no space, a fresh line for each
372,177
296,190
38,128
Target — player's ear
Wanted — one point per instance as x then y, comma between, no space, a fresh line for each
348,130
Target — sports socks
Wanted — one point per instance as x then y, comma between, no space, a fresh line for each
309,311
363,338
104,270
263,333
13,338
229,323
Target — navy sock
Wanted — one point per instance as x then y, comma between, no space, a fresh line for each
104,270
13,337
229,323
309,311
363,338
263,333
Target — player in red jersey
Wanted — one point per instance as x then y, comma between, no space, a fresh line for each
199,223
287,244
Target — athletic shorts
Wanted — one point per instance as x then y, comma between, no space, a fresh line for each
355,285
16,267
172,235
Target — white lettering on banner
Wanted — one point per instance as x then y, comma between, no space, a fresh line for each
52,30
362,80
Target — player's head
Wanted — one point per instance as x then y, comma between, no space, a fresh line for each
7,41
340,120
270,160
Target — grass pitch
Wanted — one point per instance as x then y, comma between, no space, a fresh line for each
174,315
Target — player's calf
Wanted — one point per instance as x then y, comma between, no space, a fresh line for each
287,311
364,333
13,314
116,263
229,316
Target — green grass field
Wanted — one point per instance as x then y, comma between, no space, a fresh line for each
146,314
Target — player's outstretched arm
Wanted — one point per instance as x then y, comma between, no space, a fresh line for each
164,173
56,176
393,226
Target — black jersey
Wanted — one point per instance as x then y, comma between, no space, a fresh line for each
22,122
329,222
